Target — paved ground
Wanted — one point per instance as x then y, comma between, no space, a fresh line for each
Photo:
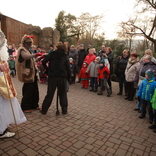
95,126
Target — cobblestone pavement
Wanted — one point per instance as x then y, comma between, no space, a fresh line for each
94,126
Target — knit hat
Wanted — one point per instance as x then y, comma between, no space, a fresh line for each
98,58
102,62
134,54
81,45
51,45
85,63
150,74
70,59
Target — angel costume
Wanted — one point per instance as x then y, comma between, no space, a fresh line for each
8,100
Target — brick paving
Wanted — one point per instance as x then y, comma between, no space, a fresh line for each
94,126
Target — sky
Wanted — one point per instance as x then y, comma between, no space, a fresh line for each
43,13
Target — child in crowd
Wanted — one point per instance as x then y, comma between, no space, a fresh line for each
83,76
11,64
145,93
103,75
93,69
72,68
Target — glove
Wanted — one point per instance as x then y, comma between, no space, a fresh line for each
38,54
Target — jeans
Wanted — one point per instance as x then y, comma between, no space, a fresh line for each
93,83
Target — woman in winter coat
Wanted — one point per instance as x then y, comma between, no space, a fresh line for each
130,73
120,67
74,55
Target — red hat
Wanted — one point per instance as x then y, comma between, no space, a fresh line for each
134,54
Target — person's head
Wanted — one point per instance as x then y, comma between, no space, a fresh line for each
51,47
108,50
72,47
102,63
85,64
70,60
97,59
125,53
27,41
81,46
149,74
148,52
91,51
10,46
66,44
33,47
89,46
94,50
133,56
146,58
61,46
103,47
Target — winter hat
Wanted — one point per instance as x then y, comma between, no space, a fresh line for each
134,54
85,63
102,62
70,59
150,74
81,45
98,58
51,45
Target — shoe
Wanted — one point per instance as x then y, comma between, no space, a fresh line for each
126,98
153,126
139,111
95,90
42,112
154,130
78,82
151,121
27,111
119,93
136,109
64,112
7,135
130,99
91,90
82,87
38,108
141,116
99,93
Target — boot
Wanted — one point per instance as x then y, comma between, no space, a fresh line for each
108,93
100,93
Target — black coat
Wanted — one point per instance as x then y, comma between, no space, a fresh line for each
81,56
110,59
58,64
120,67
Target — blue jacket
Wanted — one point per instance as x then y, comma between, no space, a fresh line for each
146,89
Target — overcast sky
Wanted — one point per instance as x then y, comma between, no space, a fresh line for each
43,13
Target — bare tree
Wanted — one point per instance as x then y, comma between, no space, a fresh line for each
143,23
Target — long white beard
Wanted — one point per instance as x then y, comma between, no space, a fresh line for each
4,52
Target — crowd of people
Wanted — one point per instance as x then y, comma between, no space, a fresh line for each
63,64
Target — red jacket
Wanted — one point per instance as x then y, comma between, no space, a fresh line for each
103,72
82,74
89,58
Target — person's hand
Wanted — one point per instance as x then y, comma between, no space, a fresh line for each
2,67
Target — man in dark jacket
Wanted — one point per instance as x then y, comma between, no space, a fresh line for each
58,75
81,56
